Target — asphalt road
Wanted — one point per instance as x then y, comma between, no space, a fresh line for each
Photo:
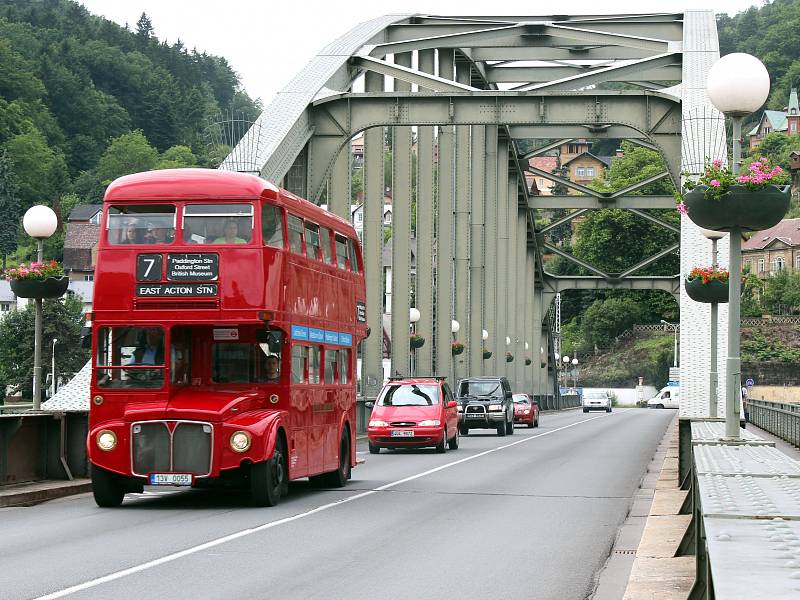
530,516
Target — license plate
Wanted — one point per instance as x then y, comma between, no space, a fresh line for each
476,416
170,479
402,434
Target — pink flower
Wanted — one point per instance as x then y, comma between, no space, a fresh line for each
683,209
743,179
716,163
714,183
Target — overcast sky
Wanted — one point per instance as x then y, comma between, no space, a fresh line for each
267,42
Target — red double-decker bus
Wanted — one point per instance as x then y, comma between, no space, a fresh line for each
225,321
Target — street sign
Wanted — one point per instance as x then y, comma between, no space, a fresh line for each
674,374
749,382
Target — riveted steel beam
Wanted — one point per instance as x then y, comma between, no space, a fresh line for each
407,74
627,202
649,261
669,284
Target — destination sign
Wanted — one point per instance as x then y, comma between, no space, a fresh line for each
184,267
176,290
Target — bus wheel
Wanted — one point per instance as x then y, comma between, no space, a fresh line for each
269,479
339,477
106,488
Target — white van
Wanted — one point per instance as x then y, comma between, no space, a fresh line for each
667,397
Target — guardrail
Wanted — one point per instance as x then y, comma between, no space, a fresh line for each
779,418
745,515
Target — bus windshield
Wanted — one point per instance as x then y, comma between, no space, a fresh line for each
154,224
218,223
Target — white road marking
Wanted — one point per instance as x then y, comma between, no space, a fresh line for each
245,532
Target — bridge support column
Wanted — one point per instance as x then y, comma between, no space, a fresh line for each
477,292
423,297
501,202
461,289
529,295
401,234
512,271
444,239
372,348
339,188
520,243
490,295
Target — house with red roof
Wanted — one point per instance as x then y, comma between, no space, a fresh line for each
772,250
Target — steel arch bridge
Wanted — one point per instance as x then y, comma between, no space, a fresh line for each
451,97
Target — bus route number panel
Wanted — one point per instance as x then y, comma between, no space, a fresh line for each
181,268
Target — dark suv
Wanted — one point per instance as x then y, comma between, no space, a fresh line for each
485,403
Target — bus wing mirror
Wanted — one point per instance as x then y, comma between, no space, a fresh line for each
274,341
86,337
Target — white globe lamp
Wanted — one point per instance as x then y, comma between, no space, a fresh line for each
484,335
40,222
455,326
738,84
413,315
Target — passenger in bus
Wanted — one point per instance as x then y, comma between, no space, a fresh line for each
150,351
130,233
162,235
270,372
231,234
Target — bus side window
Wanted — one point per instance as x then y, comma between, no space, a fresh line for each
325,243
299,363
272,225
351,252
295,234
341,251
313,364
330,365
312,241
344,365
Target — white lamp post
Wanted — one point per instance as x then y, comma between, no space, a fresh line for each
675,334
738,84
53,370
413,317
455,326
565,358
484,335
40,222
713,375
575,373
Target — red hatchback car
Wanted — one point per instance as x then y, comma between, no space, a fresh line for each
526,410
414,413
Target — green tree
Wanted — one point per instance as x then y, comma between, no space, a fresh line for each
41,171
782,292
606,319
129,153
62,320
176,157
10,212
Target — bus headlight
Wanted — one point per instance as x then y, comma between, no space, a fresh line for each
106,440
240,441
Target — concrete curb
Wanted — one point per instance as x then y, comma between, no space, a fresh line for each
30,494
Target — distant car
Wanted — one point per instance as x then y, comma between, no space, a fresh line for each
526,410
485,403
596,401
667,397
414,413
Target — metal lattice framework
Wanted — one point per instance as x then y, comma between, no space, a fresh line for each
458,93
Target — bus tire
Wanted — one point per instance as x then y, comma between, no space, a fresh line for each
339,477
269,480
107,488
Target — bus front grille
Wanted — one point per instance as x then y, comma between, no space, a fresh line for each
184,449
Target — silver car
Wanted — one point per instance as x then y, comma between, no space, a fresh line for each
596,401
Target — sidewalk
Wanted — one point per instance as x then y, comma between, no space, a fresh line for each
28,494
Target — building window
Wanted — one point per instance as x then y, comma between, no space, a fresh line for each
797,263
590,171
580,172
760,265
89,277
5,306
793,126
748,265
387,217
778,264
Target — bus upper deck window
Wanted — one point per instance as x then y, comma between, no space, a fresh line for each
218,223
151,224
351,252
272,225
325,243
341,251
312,241
295,234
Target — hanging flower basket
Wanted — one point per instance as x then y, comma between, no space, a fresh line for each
487,354
509,357
417,341
742,208
528,361
707,284
457,348
52,287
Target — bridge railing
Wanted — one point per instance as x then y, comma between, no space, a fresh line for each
779,418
